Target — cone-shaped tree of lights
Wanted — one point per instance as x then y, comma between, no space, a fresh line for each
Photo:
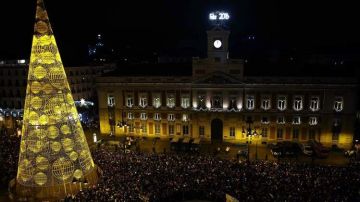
53,149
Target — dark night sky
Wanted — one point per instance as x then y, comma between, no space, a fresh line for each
161,24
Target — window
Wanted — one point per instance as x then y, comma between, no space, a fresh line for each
131,128
170,101
232,131
216,102
111,100
232,104
143,116
264,132
171,129
338,104
265,120
156,101
157,117
281,103
279,133
298,104
265,103
250,102
336,129
171,117
178,128
143,128
185,102
280,120
143,102
129,101
313,121
201,130
157,129
185,117
296,133
201,101
314,103
185,129
130,116
296,120
312,134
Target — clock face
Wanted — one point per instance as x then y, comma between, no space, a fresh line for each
217,43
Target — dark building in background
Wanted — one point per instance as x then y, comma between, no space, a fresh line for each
13,81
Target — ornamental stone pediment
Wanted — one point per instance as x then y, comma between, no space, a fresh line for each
218,78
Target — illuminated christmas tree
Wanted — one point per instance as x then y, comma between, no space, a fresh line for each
53,152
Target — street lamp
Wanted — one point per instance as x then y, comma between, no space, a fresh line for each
249,121
121,123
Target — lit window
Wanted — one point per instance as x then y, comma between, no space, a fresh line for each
265,103
185,102
157,117
265,120
232,131
130,116
131,128
21,61
143,128
281,103
171,129
178,128
143,102
314,103
264,132
129,101
338,104
157,129
280,120
143,116
250,102
171,117
111,100
156,101
185,117
201,130
185,129
313,121
298,103
170,101
296,120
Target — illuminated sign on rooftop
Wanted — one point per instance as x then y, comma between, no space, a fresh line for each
219,15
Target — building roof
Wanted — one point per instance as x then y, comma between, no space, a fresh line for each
160,69
300,70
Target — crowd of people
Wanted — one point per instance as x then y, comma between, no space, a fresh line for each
9,156
136,176
174,177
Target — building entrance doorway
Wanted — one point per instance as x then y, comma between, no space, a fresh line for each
216,130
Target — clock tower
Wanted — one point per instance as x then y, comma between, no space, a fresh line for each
218,67
218,44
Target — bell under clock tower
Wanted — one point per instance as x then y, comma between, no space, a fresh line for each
218,44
